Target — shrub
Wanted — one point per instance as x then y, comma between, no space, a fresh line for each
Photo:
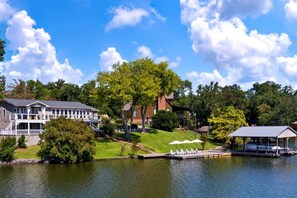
165,120
134,126
21,142
108,128
66,141
7,148
118,121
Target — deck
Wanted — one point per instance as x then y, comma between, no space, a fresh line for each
201,154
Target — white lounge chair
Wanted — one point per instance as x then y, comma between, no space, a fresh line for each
196,151
177,152
192,151
172,153
182,152
188,152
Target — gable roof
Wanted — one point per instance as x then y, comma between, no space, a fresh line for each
264,131
49,103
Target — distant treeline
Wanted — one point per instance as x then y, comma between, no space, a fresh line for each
264,104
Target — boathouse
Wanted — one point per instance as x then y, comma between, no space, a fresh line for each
265,141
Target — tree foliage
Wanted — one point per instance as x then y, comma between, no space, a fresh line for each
7,148
2,50
67,141
165,120
225,121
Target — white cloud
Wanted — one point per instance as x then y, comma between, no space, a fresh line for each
144,51
108,58
124,16
240,8
161,59
35,56
291,9
242,55
6,11
158,15
175,63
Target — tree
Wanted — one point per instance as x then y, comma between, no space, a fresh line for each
225,121
151,81
117,86
206,101
19,89
7,148
2,50
67,141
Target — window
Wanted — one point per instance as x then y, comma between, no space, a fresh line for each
4,113
134,113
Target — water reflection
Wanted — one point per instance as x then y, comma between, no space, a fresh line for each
222,177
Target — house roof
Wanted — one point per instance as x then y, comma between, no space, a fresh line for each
49,103
265,131
204,129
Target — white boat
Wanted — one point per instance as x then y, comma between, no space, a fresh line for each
253,147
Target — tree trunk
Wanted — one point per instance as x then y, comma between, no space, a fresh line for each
143,112
126,129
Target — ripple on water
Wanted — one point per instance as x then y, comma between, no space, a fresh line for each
225,177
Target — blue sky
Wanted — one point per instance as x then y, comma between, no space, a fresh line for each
229,41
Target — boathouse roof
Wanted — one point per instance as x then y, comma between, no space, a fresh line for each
265,131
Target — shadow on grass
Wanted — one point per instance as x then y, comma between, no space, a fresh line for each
103,140
151,130
134,137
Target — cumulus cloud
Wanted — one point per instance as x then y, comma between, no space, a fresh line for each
108,58
175,63
35,56
124,16
6,11
291,9
239,8
226,43
144,51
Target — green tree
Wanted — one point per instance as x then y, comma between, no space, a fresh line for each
7,148
67,141
225,121
88,94
2,50
151,81
117,87
19,89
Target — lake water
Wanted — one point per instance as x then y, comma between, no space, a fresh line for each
222,177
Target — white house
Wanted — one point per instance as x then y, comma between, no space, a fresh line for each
22,116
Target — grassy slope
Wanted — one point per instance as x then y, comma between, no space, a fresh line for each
156,140
159,140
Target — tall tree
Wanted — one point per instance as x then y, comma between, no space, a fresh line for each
117,86
2,78
2,50
151,81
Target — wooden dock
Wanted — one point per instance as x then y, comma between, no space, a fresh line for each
202,154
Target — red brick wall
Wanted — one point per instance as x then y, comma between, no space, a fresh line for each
161,103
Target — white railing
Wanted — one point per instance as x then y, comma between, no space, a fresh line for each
21,132
21,116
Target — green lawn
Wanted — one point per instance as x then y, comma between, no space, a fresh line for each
110,149
156,140
159,140
28,153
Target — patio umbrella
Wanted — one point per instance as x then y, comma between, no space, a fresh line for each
197,141
186,142
175,142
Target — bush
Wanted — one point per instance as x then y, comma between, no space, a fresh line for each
134,126
66,141
21,142
108,128
118,121
7,148
165,120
